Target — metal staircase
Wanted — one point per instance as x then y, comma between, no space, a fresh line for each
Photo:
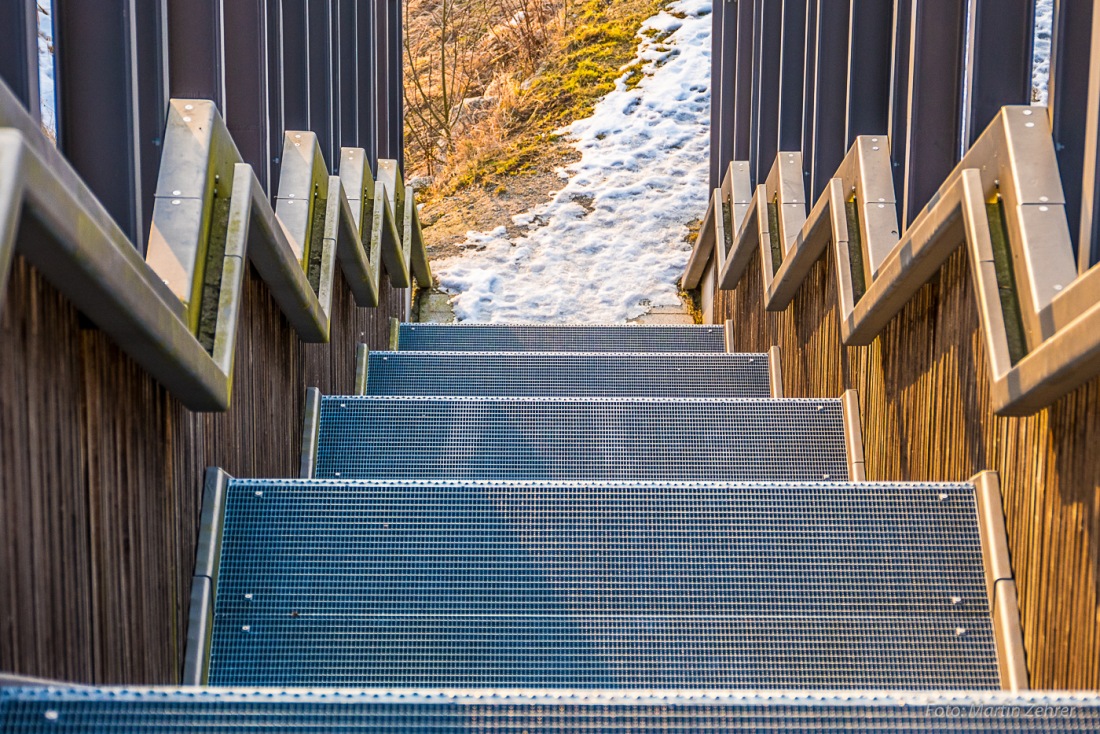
525,528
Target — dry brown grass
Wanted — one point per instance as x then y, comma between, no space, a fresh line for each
519,83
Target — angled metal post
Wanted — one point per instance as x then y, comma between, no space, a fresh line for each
204,580
311,424
1000,583
853,436
362,368
775,372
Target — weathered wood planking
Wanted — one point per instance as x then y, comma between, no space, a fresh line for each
101,473
924,397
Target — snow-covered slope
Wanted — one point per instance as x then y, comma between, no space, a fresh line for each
612,240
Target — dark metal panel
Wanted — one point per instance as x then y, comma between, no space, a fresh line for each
295,63
365,84
246,83
937,29
898,118
792,73
19,51
348,54
1067,99
828,144
765,92
275,100
998,68
723,87
870,29
321,108
388,92
196,50
718,93
809,90
111,102
743,80
151,83
1090,179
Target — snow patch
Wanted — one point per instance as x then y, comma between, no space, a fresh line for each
1040,64
641,177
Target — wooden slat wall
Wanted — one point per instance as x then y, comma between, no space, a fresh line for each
924,396
101,474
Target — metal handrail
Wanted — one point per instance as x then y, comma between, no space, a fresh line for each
1040,319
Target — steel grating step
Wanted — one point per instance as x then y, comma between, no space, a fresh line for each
27,711
560,338
580,438
601,585
569,374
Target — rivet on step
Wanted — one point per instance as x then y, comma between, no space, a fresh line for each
189,107
175,202
177,192
1057,287
186,119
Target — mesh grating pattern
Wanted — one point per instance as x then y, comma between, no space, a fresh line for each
568,374
560,338
581,438
601,585
537,712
